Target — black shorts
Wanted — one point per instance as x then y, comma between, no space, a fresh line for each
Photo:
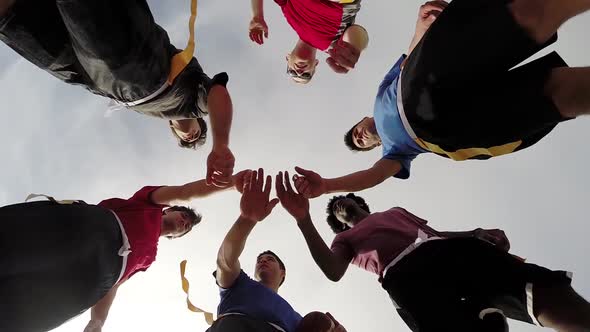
56,262
460,94
445,285
241,323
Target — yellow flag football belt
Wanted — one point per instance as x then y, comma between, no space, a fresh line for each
185,287
177,64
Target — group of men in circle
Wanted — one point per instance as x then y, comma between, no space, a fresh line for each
457,94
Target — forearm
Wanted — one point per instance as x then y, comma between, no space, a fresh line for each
200,189
353,182
322,255
220,113
257,8
415,40
100,310
233,244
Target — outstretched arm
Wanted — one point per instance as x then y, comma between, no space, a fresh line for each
171,195
220,163
100,311
258,28
427,14
331,264
255,205
311,184
346,52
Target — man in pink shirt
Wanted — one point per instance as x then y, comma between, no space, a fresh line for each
325,25
60,259
438,281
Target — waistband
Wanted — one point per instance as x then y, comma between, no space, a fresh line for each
241,314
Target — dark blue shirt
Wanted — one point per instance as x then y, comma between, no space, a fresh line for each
396,142
249,297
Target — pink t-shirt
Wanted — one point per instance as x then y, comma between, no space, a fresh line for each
380,238
142,221
317,22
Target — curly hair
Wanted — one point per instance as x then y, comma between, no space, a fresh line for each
198,142
194,217
333,222
350,143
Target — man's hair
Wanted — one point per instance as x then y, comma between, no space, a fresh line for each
195,218
350,143
281,264
333,222
198,142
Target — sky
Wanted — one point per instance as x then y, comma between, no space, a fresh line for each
57,139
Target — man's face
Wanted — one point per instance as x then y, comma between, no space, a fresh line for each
301,69
345,209
268,267
187,130
364,134
175,223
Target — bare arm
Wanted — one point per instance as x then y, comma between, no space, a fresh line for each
228,264
297,205
313,185
220,163
100,311
257,8
379,172
255,205
258,29
171,195
427,14
333,266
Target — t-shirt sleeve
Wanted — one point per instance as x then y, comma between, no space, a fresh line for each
240,280
393,73
281,2
341,248
144,196
405,161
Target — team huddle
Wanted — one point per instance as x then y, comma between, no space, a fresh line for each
458,93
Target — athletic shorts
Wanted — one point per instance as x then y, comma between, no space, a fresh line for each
241,323
460,94
446,285
57,261
113,48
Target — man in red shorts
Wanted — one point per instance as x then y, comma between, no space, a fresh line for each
325,25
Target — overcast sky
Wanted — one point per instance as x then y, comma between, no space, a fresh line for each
57,140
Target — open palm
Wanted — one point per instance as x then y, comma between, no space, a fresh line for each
296,204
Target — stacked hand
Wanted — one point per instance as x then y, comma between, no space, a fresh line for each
255,204
310,184
258,29
297,205
220,167
343,57
496,237
240,178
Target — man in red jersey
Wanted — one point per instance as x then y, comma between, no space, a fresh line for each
72,257
325,25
